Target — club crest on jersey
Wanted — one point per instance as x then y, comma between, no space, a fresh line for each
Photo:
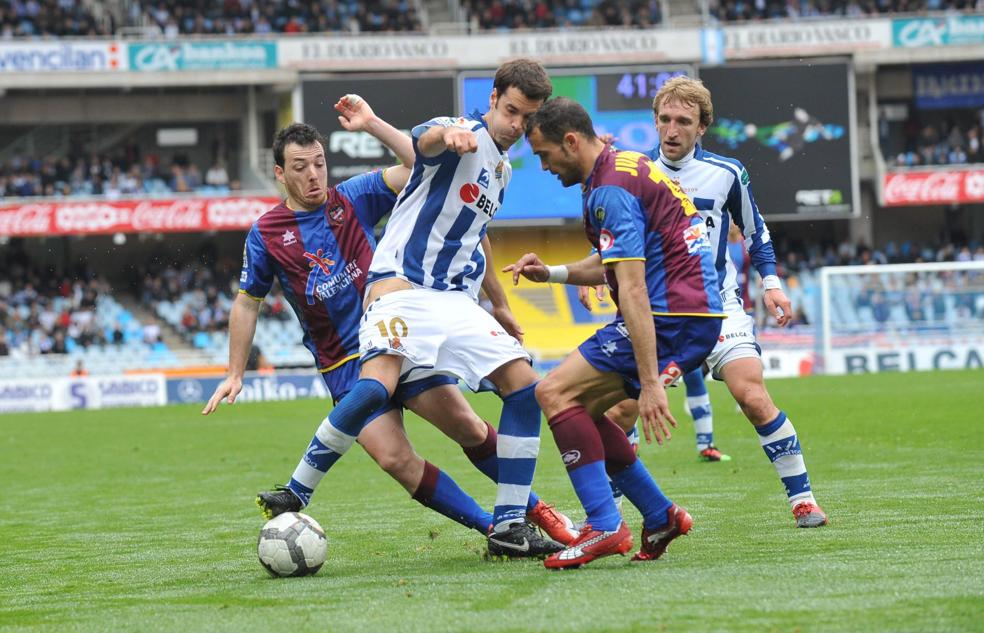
483,178
289,238
336,215
695,237
600,214
605,240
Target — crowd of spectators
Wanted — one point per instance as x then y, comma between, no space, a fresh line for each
125,174
947,143
742,10
51,18
202,296
49,313
229,17
525,14
171,18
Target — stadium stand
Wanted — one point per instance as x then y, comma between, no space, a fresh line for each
184,17
516,14
742,10
51,18
110,176
933,138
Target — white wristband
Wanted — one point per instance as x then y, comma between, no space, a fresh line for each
771,282
557,274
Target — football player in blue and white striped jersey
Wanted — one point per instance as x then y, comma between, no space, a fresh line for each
422,316
720,188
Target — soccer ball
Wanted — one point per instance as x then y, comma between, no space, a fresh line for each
292,544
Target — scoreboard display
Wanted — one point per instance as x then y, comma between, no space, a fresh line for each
619,101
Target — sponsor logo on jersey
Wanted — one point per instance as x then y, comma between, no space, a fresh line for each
289,238
338,282
469,192
605,240
695,237
483,178
320,260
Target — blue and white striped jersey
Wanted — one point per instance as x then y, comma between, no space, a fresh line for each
434,236
721,191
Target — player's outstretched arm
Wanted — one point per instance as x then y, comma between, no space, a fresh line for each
439,139
654,408
497,296
355,115
586,272
242,326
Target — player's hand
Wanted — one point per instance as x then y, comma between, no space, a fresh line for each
607,138
508,321
779,306
654,409
460,141
584,295
354,112
228,390
529,266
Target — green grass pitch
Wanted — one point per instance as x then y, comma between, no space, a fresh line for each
143,520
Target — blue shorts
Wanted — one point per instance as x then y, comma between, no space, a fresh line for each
341,380
682,344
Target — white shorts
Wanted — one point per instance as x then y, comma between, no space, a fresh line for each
737,339
437,332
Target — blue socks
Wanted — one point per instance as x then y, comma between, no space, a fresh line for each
517,447
336,434
439,492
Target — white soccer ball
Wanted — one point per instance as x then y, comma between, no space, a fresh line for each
292,544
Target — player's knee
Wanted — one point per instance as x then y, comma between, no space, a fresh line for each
470,430
756,404
548,395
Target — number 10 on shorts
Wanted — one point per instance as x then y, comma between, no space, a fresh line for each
397,328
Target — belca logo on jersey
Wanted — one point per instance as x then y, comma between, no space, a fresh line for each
471,194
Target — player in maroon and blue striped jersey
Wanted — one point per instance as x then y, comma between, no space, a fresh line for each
318,244
652,247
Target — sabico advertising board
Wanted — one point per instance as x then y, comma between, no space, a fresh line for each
402,101
792,127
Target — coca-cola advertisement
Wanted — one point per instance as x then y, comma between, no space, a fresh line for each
792,127
166,215
932,187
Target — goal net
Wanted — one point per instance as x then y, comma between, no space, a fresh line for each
902,317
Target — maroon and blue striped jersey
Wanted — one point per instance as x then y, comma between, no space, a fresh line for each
632,211
321,258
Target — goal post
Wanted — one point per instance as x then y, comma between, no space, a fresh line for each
902,317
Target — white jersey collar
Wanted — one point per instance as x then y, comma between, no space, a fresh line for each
678,164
